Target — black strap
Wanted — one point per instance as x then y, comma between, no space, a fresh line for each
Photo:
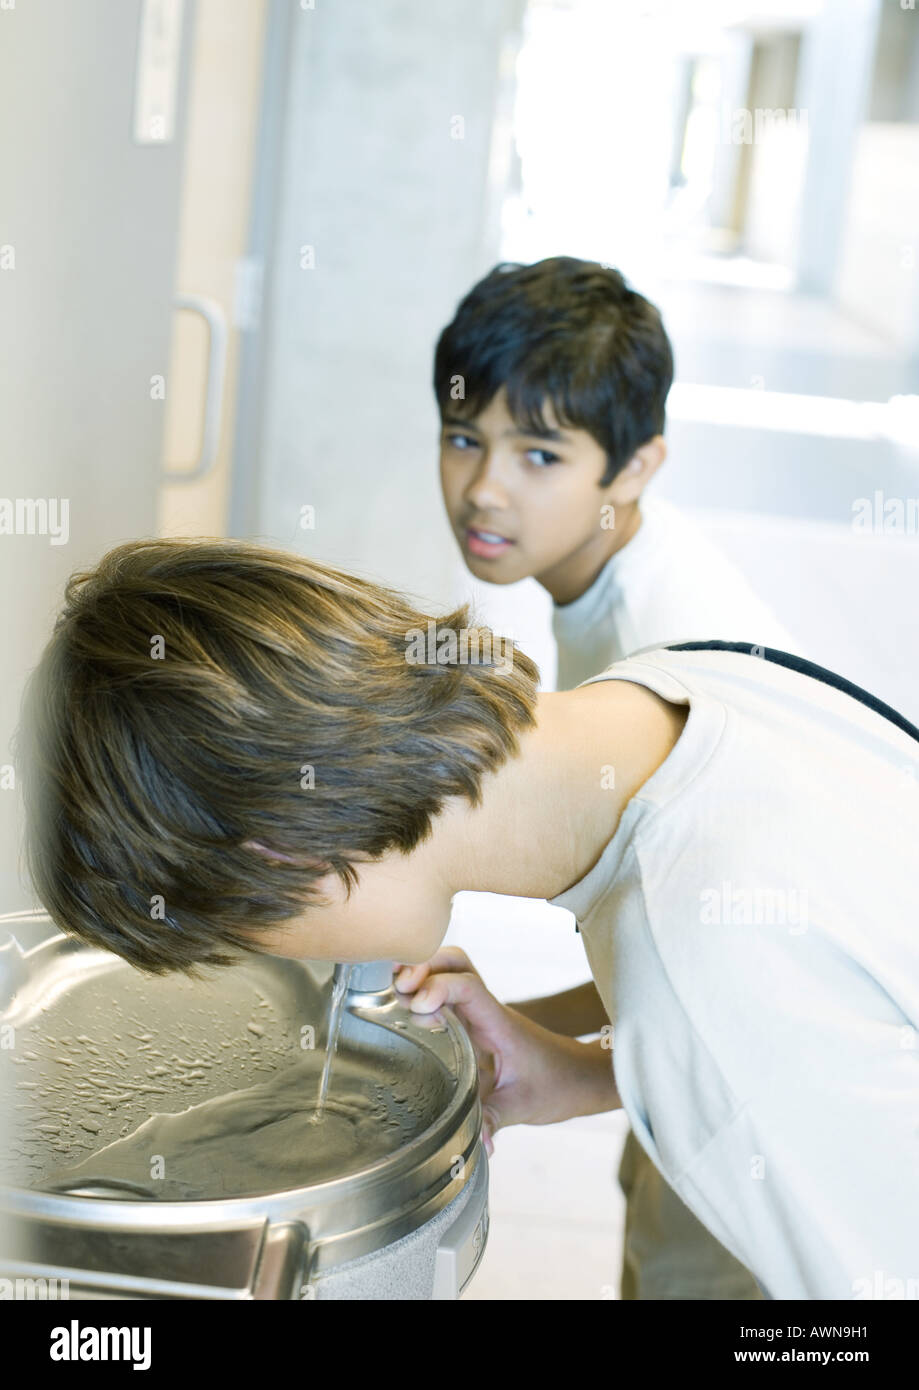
806,668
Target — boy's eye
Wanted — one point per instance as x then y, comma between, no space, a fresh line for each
461,441
542,457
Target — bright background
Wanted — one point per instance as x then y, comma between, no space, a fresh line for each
321,185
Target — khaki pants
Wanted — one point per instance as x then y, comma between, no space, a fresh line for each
669,1253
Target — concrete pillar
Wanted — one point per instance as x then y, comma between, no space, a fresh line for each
836,61
391,174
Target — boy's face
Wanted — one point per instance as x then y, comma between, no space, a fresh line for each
522,504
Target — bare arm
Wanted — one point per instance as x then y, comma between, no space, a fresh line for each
573,1012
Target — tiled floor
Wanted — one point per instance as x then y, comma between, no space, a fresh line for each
556,1212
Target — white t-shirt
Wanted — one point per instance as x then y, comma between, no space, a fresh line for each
753,931
669,583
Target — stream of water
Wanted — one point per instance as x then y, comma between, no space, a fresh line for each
340,981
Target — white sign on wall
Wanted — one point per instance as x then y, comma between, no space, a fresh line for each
158,55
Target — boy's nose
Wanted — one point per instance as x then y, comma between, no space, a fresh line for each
487,490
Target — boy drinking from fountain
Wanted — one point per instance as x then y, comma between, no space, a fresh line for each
765,1054
551,381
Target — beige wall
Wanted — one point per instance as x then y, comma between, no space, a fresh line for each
222,131
392,168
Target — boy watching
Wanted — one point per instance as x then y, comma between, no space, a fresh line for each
551,382
766,1057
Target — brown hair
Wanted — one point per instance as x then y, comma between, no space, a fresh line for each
564,331
187,690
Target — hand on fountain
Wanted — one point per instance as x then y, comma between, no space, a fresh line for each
527,1075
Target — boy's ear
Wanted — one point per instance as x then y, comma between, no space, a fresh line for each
630,483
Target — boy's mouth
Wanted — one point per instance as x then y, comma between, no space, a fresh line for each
486,543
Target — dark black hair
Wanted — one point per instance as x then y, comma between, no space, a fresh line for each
567,331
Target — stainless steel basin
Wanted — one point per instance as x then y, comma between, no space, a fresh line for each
100,1050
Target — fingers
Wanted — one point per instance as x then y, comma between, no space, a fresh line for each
465,992
490,1123
411,977
449,977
